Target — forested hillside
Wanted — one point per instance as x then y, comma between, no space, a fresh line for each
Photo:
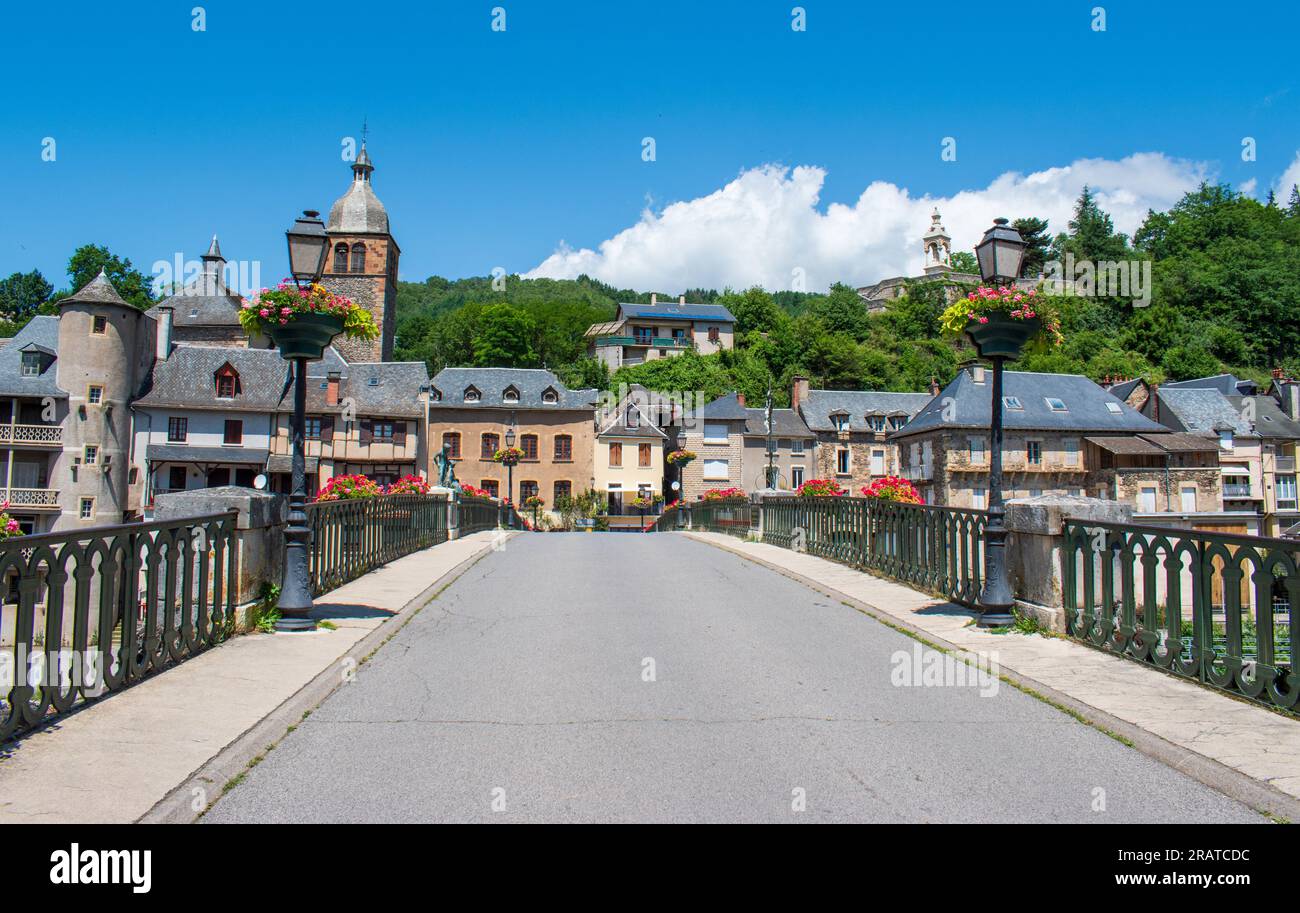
1226,297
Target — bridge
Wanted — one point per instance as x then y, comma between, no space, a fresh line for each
694,673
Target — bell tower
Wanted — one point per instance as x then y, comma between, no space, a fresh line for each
938,250
362,261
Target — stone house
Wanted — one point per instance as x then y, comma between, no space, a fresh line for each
645,332
944,450
1208,413
472,409
793,450
717,436
852,430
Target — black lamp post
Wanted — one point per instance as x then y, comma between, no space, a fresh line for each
510,467
1000,254
308,245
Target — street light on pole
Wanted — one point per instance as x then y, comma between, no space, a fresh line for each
308,245
1000,254
510,465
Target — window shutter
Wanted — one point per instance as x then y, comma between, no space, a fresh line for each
327,428
399,434
367,431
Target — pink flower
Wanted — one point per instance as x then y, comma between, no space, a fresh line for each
283,321
285,312
984,320
265,312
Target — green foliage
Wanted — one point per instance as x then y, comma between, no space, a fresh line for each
1034,233
504,338
87,261
21,294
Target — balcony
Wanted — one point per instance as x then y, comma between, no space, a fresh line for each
31,498
923,473
1236,491
649,342
32,435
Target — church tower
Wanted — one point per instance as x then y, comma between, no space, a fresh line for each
362,261
938,250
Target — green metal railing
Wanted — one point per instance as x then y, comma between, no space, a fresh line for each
940,549
478,514
91,612
351,538
1214,607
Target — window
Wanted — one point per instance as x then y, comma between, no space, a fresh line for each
31,364
227,380
1035,492
358,258
632,419
340,258
177,429
384,429
563,489
511,395
563,448
643,454
615,454
796,446
842,461
1225,440
714,334
451,441
1187,498
897,421
550,397
527,490
1115,408
311,427
95,394
472,395
528,444
796,476
717,470
87,508
91,455
1034,453
1055,404
99,325
1071,452
489,444
840,421
1147,499
176,478
876,422
977,452
877,462
1286,492
715,433
234,431
979,497
490,486
1012,402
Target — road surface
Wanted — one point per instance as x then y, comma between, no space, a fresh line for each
625,677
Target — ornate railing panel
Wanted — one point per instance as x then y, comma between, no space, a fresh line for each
51,435
1213,607
90,612
351,538
732,517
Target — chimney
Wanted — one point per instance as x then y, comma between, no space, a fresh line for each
740,398
977,373
934,385
332,388
681,299
798,392
654,298
1154,400
163,343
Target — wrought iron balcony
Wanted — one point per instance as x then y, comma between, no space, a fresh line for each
32,435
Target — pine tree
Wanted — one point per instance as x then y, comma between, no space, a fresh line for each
1037,241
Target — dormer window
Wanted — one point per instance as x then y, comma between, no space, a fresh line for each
435,395
840,421
632,419
550,397
227,382
31,364
877,422
511,395
897,421
472,395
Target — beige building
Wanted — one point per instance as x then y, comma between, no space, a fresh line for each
629,457
472,411
644,332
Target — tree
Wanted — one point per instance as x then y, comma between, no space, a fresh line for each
504,338
963,261
88,260
1037,245
842,311
753,309
1092,234
21,294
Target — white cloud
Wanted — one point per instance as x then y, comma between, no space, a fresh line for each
1289,179
767,223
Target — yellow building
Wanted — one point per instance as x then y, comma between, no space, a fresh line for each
629,459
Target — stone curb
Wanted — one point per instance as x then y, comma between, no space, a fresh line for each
177,806
1232,783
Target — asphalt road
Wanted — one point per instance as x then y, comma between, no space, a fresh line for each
521,694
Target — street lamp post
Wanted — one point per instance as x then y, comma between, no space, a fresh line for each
510,468
1000,254
308,245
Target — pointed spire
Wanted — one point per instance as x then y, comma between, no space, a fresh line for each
214,251
362,167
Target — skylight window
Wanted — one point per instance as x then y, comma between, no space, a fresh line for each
1013,402
1115,408
1056,404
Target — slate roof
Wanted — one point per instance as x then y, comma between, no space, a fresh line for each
1227,384
674,310
97,291
42,332
205,300
820,405
187,453
724,408
785,423
1086,406
1200,410
1125,388
1270,420
450,385
1156,444
617,425
395,392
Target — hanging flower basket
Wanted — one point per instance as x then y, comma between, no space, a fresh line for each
509,456
533,502
820,488
1003,322
680,457
303,322
893,488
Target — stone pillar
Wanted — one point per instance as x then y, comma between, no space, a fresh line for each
453,510
1036,526
259,535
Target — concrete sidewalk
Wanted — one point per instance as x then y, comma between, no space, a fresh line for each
164,749
1206,734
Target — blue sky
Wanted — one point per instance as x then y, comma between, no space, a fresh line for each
493,147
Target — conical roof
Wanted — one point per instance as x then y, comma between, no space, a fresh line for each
359,210
97,291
